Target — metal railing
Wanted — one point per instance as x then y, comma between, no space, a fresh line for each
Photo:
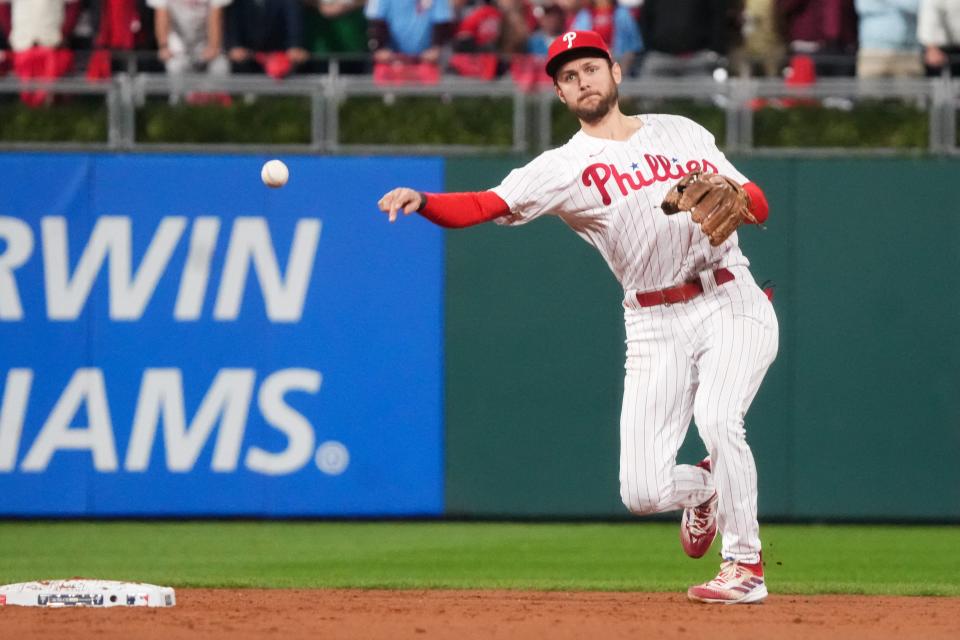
532,113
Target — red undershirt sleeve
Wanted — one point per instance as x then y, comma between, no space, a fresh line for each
758,202
457,210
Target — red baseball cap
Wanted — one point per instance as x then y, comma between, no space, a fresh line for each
575,44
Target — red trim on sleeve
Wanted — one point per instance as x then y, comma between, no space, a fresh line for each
456,210
758,202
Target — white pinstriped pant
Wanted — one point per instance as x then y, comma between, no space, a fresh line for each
705,359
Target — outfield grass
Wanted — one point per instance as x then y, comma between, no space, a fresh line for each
628,557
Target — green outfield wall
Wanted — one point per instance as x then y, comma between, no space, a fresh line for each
859,417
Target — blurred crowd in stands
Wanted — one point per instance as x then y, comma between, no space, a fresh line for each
411,40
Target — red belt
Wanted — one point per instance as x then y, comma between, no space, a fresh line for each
681,292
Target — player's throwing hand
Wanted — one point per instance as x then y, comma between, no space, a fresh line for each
400,199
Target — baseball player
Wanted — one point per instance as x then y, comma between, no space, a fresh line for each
661,203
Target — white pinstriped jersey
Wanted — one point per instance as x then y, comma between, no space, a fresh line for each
609,192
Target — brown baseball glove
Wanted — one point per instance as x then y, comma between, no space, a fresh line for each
717,203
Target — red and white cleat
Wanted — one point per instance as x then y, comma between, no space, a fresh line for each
698,527
737,583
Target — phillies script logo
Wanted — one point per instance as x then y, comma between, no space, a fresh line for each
661,170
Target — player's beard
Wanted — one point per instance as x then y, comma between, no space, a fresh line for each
596,111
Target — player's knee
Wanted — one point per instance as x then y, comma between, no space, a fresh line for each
719,431
639,500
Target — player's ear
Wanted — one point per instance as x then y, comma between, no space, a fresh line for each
617,72
556,87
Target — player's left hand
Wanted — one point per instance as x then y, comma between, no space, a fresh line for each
717,203
400,199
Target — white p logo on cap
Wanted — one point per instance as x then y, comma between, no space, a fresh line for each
569,37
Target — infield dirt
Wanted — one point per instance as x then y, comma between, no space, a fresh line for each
216,614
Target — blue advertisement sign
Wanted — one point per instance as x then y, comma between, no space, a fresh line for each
178,339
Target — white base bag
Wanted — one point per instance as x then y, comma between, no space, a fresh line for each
80,592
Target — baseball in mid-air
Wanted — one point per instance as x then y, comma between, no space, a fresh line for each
274,173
